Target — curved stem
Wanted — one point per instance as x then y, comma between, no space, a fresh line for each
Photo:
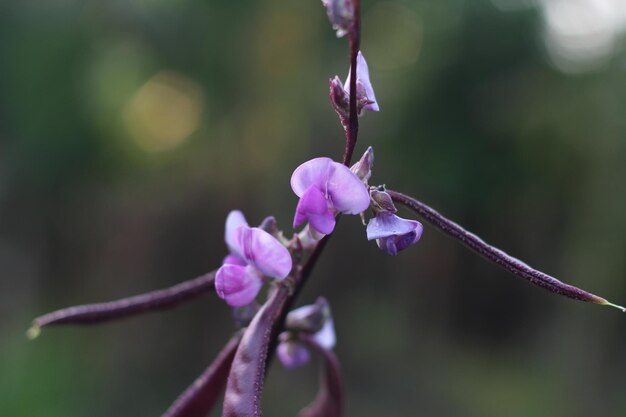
495,255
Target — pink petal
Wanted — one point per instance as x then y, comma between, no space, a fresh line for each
313,207
347,192
313,172
264,252
234,260
388,224
234,220
236,284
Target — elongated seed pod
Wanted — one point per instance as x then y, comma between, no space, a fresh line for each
495,255
200,397
247,373
329,399
112,310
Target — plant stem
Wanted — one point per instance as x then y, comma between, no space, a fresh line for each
353,125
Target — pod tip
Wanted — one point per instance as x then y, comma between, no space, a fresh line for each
606,303
33,332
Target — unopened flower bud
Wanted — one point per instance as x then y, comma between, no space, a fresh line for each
292,353
270,225
339,98
310,318
341,15
381,201
366,100
363,167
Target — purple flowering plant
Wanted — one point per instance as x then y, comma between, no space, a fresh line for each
265,255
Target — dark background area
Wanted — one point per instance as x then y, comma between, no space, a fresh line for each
129,129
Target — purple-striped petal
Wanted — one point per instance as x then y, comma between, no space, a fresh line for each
388,224
313,207
264,252
237,285
234,220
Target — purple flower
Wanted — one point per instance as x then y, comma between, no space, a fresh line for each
326,187
311,321
254,253
341,14
393,233
366,100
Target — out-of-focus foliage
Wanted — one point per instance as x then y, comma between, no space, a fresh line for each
129,129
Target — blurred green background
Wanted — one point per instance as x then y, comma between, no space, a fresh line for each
129,129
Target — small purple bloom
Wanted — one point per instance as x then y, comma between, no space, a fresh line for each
326,187
254,254
341,15
366,100
292,353
393,233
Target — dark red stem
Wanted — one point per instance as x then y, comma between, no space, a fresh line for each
353,124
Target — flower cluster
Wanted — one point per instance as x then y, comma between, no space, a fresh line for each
254,254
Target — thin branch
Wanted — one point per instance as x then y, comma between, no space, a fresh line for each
495,255
353,125
112,310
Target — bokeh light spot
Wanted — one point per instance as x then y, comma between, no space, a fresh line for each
164,112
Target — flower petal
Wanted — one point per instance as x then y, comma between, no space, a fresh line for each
233,260
234,220
388,224
264,252
404,241
313,172
387,245
236,284
292,354
347,192
363,78
326,337
313,207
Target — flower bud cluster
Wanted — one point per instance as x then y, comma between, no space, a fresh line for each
365,97
341,15
308,323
